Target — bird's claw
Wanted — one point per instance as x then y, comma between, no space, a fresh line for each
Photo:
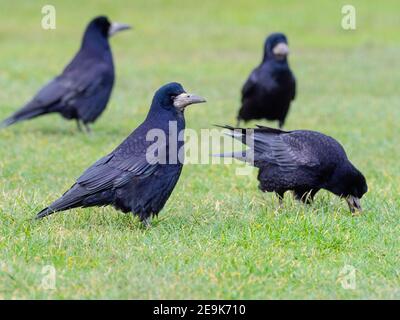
146,222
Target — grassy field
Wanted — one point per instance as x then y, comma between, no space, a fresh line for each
218,236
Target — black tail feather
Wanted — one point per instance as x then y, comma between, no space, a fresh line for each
7,122
44,213
23,114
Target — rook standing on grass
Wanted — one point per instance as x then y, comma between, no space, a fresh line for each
301,161
129,178
83,89
271,87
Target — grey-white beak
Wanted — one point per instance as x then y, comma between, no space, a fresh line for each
185,99
117,27
354,204
281,50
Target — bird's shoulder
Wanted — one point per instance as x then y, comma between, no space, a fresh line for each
125,162
134,145
250,82
307,145
291,150
139,151
258,80
71,83
88,72
269,78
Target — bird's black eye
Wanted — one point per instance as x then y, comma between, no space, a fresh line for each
172,96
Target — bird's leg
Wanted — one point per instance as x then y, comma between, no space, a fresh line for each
305,196
78,124
281,122
147,222
280,195
311,195
88,130
237,123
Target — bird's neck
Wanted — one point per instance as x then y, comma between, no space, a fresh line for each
164,118
169,127
278,63
339,178
95,44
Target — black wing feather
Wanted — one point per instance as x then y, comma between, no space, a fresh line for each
126,162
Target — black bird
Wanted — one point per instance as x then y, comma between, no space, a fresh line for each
271,86
301,161
140,174
83,89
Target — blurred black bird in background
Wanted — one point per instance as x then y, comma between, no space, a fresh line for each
130,178
301,161
83,89
271,86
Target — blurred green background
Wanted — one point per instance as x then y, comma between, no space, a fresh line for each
218,236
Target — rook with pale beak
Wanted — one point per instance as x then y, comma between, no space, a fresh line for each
125,178
271,87
300,161
183,100
276,47
83,89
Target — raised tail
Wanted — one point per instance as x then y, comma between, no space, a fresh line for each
238,155
261,142
239,134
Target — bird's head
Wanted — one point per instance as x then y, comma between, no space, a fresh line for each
101,25
276,47
172,96
349,183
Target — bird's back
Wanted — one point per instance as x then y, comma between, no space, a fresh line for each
90,78
268,92
315,144
296,159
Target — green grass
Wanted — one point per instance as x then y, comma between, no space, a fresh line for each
218,236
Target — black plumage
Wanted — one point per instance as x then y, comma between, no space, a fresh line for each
84,87
130,178
301,161
271,86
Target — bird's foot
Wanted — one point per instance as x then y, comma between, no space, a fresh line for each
356,213
306,198
88,130
146,222
78,125
280,196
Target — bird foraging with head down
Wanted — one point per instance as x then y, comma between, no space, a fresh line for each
271,86
136,177
82,90
301,161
